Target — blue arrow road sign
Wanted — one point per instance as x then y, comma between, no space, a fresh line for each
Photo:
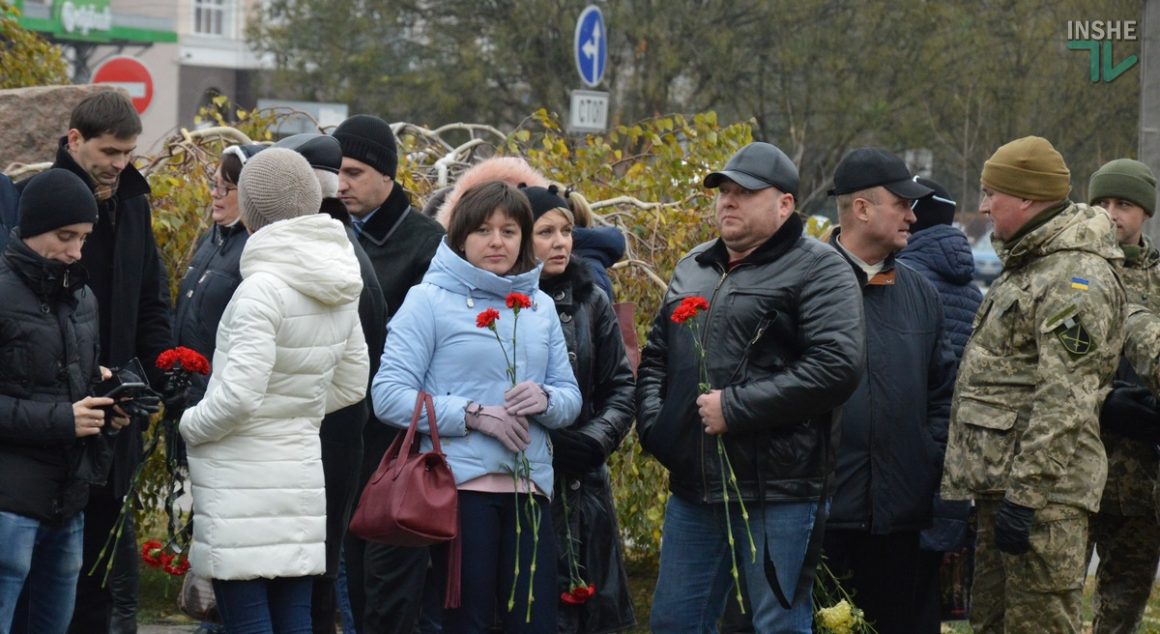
591,46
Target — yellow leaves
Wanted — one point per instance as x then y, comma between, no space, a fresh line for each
220,101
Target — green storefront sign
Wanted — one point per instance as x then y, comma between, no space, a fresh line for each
85,21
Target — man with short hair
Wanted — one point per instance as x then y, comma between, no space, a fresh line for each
386,582
1024,439
1124,531
783,348
131,285
894,425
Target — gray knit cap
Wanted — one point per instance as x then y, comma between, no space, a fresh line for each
277,184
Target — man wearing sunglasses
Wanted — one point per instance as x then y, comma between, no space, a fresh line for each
894,426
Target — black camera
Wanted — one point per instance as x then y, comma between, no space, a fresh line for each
129,387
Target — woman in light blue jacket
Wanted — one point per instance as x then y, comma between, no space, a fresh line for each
435,344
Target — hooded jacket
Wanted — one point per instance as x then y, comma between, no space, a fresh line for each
599,248
943,256
434,345
48,361
289,350
1046,342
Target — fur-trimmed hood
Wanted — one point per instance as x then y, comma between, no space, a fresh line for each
509,169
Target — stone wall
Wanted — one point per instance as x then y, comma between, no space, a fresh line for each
32,120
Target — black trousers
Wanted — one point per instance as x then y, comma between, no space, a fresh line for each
385,585
113,607
881,572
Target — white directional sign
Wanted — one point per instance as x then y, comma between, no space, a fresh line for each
589,111
591,46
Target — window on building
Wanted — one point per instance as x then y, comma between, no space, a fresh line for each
209,17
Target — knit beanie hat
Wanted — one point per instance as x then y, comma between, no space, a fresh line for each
277,184
1126,179
544,199
938,209
1028,168
53,199
369,139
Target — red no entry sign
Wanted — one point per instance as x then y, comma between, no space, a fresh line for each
130,74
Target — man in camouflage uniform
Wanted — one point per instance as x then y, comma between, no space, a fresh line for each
1125,531
1024,433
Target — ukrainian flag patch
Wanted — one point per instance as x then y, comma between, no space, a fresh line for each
1079,283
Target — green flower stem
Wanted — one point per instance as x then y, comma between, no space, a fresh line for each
125,514
519,529
729,527
535,513
574,578
732,477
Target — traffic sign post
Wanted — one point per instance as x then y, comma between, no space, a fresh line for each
589,112
591,46
131,75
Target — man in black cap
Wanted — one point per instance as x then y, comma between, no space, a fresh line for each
894,427
132,289
342,431
783,346
386,582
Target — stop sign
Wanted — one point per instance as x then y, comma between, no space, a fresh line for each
130,74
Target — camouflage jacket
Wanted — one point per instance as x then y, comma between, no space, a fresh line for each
1044,347
1142,345
1133,465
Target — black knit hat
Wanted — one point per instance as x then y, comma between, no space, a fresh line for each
53,199
544,199
938,209
369,139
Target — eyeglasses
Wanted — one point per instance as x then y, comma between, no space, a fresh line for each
221,190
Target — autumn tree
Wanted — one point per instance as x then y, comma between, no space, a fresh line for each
25,58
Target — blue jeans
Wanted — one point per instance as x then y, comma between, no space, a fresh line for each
48,559
342,596
265,606
695,579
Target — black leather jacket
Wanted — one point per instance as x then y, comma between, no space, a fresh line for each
784,341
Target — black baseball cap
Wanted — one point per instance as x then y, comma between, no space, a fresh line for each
321,151
757,166
869,167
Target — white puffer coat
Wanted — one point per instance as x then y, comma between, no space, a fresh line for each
289,350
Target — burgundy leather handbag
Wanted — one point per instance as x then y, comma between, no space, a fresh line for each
411,499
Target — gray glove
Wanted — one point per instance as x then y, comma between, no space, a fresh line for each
496,422
526,399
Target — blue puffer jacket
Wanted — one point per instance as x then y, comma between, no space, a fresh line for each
599,248
433,344
943,256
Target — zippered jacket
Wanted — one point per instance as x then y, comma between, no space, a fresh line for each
784,342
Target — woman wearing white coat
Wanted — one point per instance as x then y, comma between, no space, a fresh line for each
289,350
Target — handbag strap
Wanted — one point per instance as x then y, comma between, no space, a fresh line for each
422,400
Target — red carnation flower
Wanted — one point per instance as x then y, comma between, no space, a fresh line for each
578,594
151,553
181,358
516,301
177,568
487,318
688,309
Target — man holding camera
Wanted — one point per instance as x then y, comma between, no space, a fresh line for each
51,447
132,290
